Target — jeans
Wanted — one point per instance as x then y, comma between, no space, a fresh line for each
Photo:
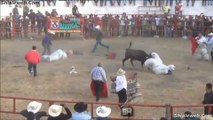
98,89
212,55
32,68
98,42
46,49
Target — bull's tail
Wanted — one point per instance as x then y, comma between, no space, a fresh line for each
130,44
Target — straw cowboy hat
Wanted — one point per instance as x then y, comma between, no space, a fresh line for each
34,107
121,72
55,110
80,107
206,117
103,111
210,34
98,27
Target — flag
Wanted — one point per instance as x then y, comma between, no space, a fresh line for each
194,45
104,92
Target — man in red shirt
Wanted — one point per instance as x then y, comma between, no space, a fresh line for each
33,58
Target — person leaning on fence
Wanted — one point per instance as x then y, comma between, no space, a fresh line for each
33,58
55,112
208,99
81,112
32,111
47,42
121,86
103,113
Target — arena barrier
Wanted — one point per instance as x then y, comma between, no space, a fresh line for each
90,105
169,109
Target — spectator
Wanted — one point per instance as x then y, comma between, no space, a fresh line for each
75,11
166,9
32,111
25,24
32,17
54,13
163,118
81,112
210,42
121,86
8,25
208,99
40,19
192,1
25,11
103,113
15,11
210,2
98,76
203,2
47,42
55,112
33,58
132,1
99,37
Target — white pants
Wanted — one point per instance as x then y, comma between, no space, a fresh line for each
203,54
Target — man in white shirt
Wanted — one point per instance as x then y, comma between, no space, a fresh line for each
98,75
202,47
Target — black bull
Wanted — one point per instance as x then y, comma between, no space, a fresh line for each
138,55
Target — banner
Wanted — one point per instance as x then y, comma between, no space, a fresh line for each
57,24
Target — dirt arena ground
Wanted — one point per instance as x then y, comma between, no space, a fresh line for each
184,86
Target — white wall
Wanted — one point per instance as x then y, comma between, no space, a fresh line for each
90,7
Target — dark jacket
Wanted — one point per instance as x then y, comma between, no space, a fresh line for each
47,39
32,116
99,35
208,99
62,116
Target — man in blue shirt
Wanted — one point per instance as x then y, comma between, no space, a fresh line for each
81,112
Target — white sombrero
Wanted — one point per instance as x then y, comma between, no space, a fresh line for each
55,110
210,34
34,107
103,111
98,27
51,32
121,72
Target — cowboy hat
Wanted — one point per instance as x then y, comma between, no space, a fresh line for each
34,107
103,111
210,34
98,27
121,72
51,32
55,110
80,107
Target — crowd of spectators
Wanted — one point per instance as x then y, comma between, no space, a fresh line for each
126,2
146,25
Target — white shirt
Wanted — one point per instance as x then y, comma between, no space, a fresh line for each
121,83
